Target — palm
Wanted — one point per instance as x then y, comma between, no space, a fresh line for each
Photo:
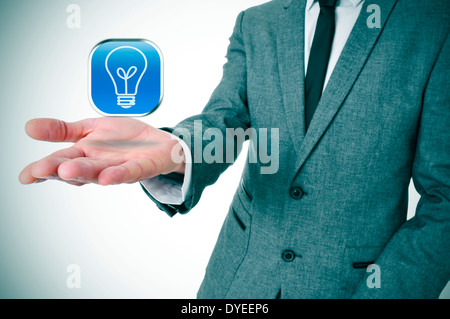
105,151
119,140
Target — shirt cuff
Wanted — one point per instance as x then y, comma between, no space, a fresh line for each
167,191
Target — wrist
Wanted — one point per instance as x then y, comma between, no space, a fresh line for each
179,152
178,157
180,168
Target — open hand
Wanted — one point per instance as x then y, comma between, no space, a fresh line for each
105,151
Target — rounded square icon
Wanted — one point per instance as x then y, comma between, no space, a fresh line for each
126,77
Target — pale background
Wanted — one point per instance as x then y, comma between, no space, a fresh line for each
125,246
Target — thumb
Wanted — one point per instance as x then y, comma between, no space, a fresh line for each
53,130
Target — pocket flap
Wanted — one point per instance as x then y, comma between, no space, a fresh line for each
361,257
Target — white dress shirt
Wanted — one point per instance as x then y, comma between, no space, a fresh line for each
347,12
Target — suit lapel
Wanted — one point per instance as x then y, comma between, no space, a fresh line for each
353,57
290,49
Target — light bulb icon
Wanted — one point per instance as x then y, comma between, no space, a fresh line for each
125,77
126,65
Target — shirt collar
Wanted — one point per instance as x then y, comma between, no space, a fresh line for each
354,3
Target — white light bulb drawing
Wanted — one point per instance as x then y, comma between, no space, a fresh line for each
126,65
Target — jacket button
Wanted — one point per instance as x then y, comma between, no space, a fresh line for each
288,255
296,192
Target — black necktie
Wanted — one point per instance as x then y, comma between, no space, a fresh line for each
319,57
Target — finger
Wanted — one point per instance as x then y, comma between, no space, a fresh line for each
74,183
46,168
25,176
53,130
82,170
69,153
40,171
128,172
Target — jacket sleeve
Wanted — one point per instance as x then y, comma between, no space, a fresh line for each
227,108
416,261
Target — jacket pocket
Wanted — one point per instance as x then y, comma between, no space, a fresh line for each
238,219
362,264
244,196
229,251
245,190
356,259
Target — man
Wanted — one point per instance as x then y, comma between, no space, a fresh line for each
371,112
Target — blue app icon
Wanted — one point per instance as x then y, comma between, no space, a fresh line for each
126,77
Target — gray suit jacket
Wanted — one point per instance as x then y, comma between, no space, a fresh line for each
384,117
